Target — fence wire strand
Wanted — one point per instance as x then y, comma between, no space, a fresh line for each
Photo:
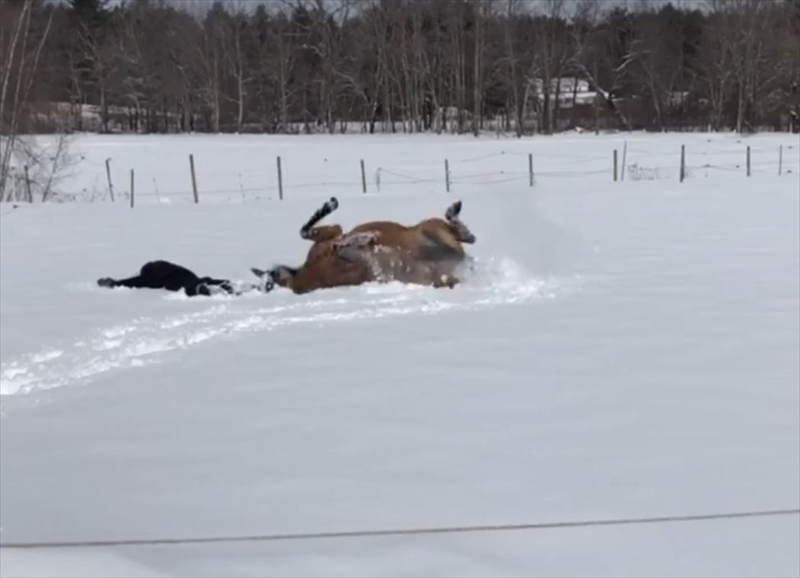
397,532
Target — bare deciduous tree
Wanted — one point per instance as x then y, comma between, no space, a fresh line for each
399,65
21,50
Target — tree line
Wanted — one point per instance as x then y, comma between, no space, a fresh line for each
517,66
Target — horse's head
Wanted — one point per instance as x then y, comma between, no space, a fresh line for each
461,232
456,226
281,275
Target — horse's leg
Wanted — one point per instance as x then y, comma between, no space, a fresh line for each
326,209
322,233
361,239
351,247
429,273
471,267
445,281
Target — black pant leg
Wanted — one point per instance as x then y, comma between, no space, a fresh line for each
131,282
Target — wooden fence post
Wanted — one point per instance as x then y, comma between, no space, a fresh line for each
624,154
615,165
280,180
131,188
683,162
28,185
748,160
530,169
108,176
363,178
447,175
780,160
194,179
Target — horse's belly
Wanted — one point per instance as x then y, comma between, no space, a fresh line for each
344,274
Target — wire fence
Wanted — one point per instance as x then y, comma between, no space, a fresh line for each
184,176
398,531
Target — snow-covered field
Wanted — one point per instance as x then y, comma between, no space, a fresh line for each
627,349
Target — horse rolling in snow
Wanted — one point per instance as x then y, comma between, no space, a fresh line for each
330,261
432,249
427,253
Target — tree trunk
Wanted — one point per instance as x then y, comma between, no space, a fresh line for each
476,75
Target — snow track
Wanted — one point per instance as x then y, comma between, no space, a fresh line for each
633,355
147,340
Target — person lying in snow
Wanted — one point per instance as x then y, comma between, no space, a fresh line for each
172,277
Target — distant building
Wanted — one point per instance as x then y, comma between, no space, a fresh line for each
571,91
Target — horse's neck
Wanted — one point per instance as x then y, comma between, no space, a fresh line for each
432,223
300,281
311,274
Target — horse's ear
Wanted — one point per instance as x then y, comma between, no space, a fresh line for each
258,272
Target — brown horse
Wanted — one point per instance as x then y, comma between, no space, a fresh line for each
426,253
330,264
